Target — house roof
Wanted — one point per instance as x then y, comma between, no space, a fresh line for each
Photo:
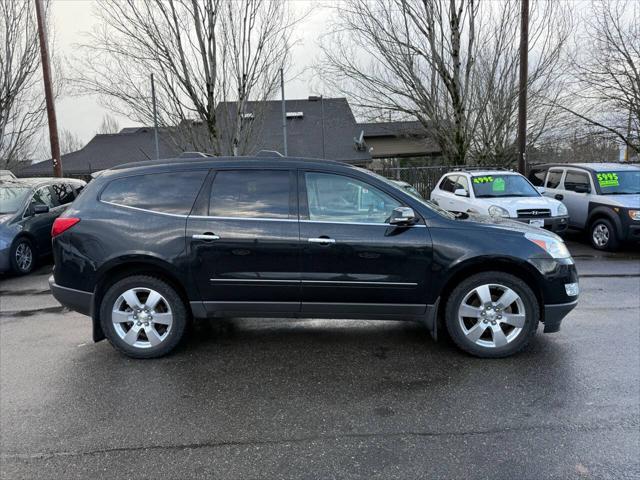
393,129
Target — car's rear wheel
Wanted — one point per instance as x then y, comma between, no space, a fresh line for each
143,317
492,314
23,257
603,235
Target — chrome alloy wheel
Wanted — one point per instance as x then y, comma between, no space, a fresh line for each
600,235
142,317
492,315
24,257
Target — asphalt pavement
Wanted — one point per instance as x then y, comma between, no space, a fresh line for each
276,398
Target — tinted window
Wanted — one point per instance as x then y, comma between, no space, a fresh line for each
336,198
553,180
448,183
537,177
172,192
575,179
64,193
43,196
250,193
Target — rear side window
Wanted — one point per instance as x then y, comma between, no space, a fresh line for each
553,180
172,192
64,192
250,194
576,181
537,177
448,183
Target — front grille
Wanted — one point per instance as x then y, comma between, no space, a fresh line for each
534,213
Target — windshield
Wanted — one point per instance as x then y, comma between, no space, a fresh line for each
428,203
12,198
619,183
491,186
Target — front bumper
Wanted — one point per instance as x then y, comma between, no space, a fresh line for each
633,233
76,300
553,315
554,224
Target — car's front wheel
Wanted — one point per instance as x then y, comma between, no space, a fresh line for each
492,314
23,257
603,235
143,316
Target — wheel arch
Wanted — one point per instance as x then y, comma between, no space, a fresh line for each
138,265
603,212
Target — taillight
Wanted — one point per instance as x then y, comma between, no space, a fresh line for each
62,225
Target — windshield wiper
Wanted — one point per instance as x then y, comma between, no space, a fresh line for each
622,193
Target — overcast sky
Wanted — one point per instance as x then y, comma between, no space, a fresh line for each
82,115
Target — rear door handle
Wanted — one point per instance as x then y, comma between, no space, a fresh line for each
205,236
559,197
322,240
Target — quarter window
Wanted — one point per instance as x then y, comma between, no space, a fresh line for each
537,177
462,183
337,198
576,181
172,192
448,183
553,180
250,194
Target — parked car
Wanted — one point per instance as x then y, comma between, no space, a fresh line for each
148,246
499,193
6,175
602,198
407,187
28,207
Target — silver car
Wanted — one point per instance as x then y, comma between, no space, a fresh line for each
602,198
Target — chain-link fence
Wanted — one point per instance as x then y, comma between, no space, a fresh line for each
424,178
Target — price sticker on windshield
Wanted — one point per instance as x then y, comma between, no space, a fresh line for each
482,179
498,185
608,179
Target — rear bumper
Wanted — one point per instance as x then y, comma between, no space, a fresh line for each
76,300
554,314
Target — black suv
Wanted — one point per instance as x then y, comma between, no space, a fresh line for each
149,246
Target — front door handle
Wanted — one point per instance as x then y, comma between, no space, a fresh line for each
322,240
205,236
559,197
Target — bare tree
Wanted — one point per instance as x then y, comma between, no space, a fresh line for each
451,64
606,93
69,142
21,104
202,52
109,125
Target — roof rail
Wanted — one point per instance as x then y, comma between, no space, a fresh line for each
194,155
471,168
269,153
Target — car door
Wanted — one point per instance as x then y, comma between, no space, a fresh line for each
244,249
352,259
553,184
39,225
577,188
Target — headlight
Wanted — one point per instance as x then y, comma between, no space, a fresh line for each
496,211
562,210
634,214
555,248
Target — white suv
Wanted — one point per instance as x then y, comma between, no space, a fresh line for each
499,193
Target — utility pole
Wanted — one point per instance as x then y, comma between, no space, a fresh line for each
48,91
155,116
522,104
284,114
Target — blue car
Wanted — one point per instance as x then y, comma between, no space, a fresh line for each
28,207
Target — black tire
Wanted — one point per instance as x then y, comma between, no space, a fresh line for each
531,311
177,308
604,225
18,267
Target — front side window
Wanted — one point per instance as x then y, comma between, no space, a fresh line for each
489,186
553,180
172,192
250,194
462,183
43,197
576,181
337,198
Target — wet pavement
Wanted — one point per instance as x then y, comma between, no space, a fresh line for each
324,399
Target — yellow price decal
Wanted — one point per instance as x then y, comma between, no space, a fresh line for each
608,179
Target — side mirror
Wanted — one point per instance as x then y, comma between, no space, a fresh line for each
40,208
541,190
461,192
402,216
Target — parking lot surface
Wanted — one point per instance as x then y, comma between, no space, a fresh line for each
324,399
